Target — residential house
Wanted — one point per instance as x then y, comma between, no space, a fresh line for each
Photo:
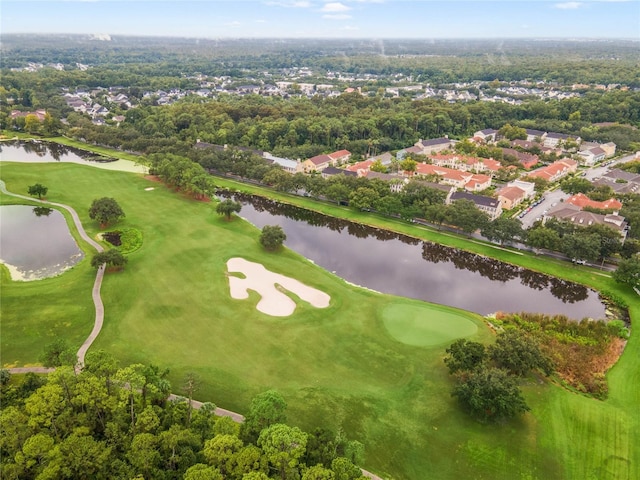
434,145
491,206
592,155
361,168
332,171
581,200
466,163
553,139
487,135
40,114
288,165
555,171
340,157
529,188
527,160
619,187
511,197
524,144
320,162
573,214
385,158
396,183
411,150
447,189
447,176
478,182
535,135
609,149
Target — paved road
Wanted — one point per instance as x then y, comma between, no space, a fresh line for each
551,199
596,172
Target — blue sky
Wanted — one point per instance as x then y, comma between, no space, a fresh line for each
327,19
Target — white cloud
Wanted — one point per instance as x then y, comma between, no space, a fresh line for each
290,4
568,5
333,7
233,24
337,16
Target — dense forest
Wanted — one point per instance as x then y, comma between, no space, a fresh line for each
107,421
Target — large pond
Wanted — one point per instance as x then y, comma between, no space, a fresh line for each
400,265
37,152
35,242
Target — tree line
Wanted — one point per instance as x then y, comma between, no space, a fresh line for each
107,421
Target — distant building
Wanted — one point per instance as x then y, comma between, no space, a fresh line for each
487,135
581,201
320,162
434,145
573,214
332,171
555,171
553,139
491,206
40,114
510,197
288,165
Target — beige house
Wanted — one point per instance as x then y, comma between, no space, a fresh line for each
511,197
320,162
434,145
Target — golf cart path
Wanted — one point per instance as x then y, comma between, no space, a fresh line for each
97,299
99,318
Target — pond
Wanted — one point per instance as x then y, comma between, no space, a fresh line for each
37,152
400,265
36,242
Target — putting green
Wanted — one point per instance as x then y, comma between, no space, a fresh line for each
426,326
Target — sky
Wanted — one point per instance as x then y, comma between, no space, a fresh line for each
428,19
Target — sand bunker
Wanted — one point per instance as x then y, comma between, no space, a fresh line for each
148,189
269,285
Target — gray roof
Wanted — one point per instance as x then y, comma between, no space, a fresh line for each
437,186
284,162
338,171
617,173
383,176
573,214
535,133
558,135
477,199
434,141
385,158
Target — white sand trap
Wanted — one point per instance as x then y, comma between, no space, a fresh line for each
266,284
150,188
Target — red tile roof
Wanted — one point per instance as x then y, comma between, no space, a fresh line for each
582,201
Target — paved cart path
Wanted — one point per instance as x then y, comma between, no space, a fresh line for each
97,299
99,318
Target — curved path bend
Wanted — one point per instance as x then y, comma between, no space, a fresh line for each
97,299
97,325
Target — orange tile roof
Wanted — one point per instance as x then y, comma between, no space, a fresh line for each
582,201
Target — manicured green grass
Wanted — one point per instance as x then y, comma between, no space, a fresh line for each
337,366
426,327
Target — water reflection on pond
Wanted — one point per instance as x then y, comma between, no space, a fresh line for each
36,151
393,263
36,242
39,151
